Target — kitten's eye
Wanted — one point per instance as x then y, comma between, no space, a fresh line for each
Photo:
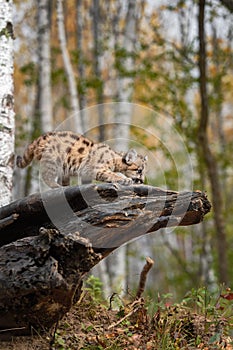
139,171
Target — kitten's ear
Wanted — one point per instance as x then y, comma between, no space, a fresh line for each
130,157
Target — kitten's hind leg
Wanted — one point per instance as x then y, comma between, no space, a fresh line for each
49,171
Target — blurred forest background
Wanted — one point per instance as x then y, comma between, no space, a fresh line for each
173,60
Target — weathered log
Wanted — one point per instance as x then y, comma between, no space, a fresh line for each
49,241
93,209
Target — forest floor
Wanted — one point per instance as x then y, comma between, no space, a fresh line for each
200,321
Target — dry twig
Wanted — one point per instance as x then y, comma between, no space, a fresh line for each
143,276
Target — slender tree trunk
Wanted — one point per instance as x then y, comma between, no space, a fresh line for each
206,267
207,273
6,102
125,81
126,42
218,110
75,109
97,70
81,69
102,270
208,157
43,115
44,83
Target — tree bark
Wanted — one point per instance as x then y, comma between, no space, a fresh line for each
207,155
41,279
6,102
97,56
44,80
125,79
41,267
74,102
42,121
81,68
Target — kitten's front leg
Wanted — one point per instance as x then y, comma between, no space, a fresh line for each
64,180
110,176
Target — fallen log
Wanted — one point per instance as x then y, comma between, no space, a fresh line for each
49,242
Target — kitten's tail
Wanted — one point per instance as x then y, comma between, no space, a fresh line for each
27,157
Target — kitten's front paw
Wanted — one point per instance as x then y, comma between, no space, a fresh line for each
126,181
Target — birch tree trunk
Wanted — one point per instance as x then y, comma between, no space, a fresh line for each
74,102
123,120
125,80
81,69
43,116
97,64
44,60
6,102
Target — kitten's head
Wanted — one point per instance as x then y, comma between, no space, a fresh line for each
135,165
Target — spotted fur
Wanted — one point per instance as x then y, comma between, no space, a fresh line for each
64,154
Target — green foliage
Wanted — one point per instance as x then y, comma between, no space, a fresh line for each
202,316
121,55
93,286
30,71
95,83
59,343
58,76
77,58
